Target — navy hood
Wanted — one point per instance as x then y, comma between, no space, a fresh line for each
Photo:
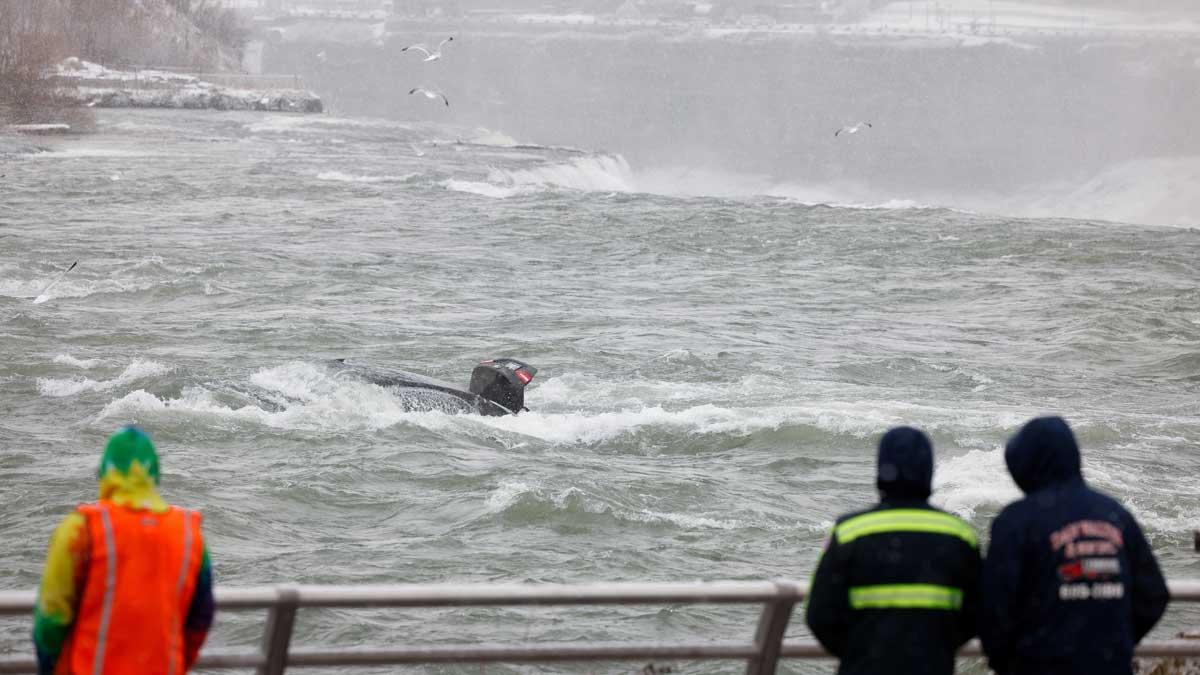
905,465
1043,453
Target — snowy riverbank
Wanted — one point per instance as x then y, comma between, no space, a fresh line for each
93,85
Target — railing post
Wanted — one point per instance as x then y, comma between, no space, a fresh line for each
277,636
772,624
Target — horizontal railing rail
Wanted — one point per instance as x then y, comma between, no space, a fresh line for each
761,652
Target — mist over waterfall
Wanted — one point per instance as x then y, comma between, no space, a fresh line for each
1004,124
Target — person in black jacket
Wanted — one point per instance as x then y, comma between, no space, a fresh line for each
1070,584
896,588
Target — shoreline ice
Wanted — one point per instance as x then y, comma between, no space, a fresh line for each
93,85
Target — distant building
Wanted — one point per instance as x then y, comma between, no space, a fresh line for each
426,8
802,11
628,10
755,19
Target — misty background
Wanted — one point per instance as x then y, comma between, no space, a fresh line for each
1002,115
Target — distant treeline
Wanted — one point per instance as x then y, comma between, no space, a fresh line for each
35,34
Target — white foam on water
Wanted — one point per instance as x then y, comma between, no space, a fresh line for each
313,400
275,124
22,288
74,287
510,493
980,478
1163,191
609,173
587,428
484,189
594,173
577,389
341,177
306,396
972,480
298,380
137,370
283,123
131,276
506,495
1152,497
981,381
579,408
858,419
687,521
85,151
68,360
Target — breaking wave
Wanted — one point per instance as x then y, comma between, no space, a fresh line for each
1155,191
522,501
613,174
596,173
68,360
129,276
341,177
483,189
297,396
137,370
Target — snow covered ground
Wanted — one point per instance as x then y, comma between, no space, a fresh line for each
913,17
94,85
1000,16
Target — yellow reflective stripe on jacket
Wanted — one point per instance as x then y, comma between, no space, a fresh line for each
905,596
903,520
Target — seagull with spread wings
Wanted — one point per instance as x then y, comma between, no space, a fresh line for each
852,129
429,55
429,93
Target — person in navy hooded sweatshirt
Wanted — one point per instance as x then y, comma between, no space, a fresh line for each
1070,584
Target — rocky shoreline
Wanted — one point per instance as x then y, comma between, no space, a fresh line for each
195,98
92,85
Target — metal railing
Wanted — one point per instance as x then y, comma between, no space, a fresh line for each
761,653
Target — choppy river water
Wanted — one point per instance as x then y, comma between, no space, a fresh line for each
714,372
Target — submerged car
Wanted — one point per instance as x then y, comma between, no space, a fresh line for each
497,386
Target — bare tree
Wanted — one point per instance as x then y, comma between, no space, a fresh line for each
31,40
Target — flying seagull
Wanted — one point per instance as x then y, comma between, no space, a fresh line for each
430,94
852,129
429,56
42,297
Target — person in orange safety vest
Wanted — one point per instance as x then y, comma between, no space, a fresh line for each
127,586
